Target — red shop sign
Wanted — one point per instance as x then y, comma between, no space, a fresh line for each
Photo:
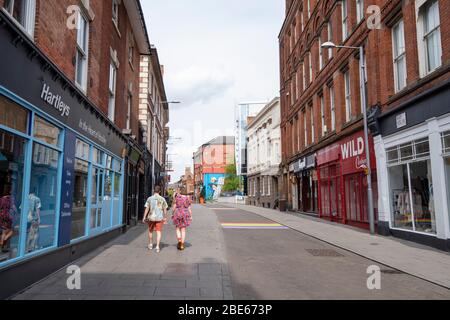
350,151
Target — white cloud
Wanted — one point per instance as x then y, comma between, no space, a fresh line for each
198,85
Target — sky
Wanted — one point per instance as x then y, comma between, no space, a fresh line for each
216,54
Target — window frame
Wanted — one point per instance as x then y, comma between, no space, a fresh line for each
401,56
345,20
347,96
84,52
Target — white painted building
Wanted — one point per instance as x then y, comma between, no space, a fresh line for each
264,155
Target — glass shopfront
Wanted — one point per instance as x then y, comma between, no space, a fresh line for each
31,171
411,186
446,155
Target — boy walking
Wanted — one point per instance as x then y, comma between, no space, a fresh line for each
156,217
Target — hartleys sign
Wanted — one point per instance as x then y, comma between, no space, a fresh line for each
55,100
351,152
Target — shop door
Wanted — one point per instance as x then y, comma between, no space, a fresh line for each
132,195
97,198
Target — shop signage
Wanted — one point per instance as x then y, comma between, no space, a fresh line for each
350,151
55,101
67,190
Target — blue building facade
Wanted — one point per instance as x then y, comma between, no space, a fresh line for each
62,166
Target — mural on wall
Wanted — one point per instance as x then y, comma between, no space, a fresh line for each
213,185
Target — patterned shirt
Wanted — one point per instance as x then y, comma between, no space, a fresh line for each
157,205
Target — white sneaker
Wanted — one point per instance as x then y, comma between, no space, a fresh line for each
150,247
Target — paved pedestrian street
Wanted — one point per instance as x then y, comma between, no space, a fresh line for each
233,253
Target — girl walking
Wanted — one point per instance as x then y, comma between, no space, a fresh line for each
182,218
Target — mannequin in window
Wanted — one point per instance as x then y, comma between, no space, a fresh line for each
8,211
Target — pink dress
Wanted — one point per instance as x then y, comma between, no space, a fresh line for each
181,217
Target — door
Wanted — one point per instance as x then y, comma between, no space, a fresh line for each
97,198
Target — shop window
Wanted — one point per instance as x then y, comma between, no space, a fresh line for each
446,153
82,150
23,11
96,198
41,204
46,132
107,199
80,198
13,116
411,188
97,156
116,199
12,158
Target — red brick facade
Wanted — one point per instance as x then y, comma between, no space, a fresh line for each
58,42
299,100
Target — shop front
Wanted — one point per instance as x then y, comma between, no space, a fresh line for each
342,180
307,184
413,155
61,167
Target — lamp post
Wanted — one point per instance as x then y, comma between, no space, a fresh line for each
362,76
153,141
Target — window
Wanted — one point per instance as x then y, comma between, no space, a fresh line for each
313,129
12,169
359,10
333,109
46,132
320,54
80,199
112,91
13,116
41,202
330,38
344,20
302,18
322,115
411,183
305,128
129,103
348,97
309,8
398,38
24,12
446,153
82,52
304,75
310,68
432,36
115,12
131,48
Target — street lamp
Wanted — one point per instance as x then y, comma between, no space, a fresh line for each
362,76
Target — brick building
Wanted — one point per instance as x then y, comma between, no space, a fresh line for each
323,147
71,139
210,163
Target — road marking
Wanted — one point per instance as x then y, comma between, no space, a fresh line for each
255,226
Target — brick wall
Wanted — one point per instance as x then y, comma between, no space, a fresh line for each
59,44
